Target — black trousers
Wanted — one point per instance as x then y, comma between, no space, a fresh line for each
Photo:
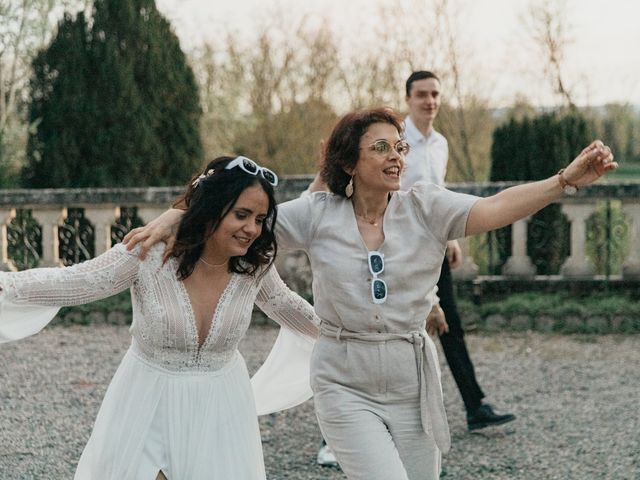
453,345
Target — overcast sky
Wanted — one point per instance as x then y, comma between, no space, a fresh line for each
603,57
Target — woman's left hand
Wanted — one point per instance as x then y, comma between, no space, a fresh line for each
593,162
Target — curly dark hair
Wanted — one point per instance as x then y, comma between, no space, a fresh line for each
207,202
343,146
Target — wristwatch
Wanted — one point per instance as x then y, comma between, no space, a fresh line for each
567,188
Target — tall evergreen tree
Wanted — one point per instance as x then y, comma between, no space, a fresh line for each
116,104
58,93
534,149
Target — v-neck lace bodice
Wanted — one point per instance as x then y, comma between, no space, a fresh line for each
186,298
163,327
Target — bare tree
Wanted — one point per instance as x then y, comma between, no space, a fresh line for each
549,29
376,72
290,78
270,97
220,72
320,63
465,118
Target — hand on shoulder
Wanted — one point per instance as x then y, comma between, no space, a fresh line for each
161,229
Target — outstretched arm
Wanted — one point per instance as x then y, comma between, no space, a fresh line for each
521,201
103,276
29,300
164,228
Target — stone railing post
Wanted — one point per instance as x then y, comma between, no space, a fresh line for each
468,270
519,264
149,212
50,219
102,217
577,265
6,215
631,266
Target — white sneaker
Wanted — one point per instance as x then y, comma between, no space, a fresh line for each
326,457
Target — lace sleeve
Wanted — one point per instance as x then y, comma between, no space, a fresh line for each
100,277
286,307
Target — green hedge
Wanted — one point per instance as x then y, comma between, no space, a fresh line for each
562,304
598,313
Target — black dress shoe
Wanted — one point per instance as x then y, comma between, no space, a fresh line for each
484,416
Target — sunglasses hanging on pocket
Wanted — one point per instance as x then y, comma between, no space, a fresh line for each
378,286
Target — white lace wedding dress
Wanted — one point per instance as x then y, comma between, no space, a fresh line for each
173,406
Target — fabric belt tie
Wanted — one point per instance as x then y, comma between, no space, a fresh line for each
432,413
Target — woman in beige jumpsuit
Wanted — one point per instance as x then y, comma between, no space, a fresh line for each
374,370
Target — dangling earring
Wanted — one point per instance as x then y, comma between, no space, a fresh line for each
348,190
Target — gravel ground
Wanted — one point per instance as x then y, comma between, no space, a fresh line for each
576,399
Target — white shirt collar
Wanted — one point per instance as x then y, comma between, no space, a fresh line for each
414,135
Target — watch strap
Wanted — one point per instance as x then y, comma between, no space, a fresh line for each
563,181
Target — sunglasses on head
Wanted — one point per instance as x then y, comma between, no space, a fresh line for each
378,286
249,166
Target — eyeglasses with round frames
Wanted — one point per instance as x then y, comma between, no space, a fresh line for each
383,147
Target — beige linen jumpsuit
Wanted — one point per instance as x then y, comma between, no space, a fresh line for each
374,371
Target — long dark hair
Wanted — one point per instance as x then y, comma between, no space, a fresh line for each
209,197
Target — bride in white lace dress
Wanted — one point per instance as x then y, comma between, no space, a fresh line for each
180,403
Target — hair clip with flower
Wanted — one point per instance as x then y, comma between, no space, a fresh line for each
202,176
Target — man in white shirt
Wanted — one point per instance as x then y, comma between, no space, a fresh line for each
427,161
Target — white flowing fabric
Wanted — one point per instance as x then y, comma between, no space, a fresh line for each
283,379
20,321
171,405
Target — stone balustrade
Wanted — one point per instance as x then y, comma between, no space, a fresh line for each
102,208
